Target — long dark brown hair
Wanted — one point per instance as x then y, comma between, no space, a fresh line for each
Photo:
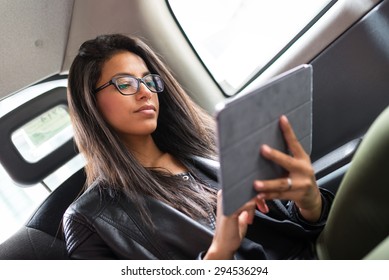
183,130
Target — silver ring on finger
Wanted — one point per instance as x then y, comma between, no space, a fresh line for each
289,180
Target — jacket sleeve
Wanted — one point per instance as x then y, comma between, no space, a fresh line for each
327,198
82,242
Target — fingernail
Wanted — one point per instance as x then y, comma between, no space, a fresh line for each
266,149
258,184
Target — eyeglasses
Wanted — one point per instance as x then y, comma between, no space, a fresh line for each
129,85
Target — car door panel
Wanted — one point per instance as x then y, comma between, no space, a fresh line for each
350,89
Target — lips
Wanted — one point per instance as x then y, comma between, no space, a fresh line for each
146,108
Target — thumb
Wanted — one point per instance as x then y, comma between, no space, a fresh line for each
243,220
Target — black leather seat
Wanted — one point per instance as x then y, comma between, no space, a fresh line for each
41,237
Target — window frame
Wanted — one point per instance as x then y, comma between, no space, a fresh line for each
256,73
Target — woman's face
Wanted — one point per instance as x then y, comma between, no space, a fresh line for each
133,115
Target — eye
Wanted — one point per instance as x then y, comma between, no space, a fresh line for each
125,83
124,86
150,84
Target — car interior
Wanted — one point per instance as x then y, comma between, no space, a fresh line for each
346,43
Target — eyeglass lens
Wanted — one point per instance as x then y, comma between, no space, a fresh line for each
130,85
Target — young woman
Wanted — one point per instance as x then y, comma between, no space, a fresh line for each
151,172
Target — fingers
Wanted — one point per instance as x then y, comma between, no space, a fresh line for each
244,220
246,217
300,185
292,142
299,160
281,188
262,206
230,230
277,157
248,209
290,137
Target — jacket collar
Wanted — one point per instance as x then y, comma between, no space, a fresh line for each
206,169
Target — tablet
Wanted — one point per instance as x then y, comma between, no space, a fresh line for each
251,120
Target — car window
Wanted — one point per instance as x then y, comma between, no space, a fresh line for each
42,135
236,39
34,140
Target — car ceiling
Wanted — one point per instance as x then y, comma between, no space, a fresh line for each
41,37
32,45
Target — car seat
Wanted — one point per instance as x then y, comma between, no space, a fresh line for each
41,237
358,224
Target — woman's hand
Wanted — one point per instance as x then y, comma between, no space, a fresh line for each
230,230
300,185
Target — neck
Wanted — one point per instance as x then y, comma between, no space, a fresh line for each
150,156
144,149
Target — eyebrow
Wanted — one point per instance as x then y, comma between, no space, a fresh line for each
130,74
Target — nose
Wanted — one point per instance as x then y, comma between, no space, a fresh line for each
144,92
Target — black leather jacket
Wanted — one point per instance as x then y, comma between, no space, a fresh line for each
99,225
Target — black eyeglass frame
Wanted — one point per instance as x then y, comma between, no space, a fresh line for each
140,80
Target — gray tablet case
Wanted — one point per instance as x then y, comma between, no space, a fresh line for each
250,120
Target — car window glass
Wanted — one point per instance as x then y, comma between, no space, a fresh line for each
237,38
44,134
